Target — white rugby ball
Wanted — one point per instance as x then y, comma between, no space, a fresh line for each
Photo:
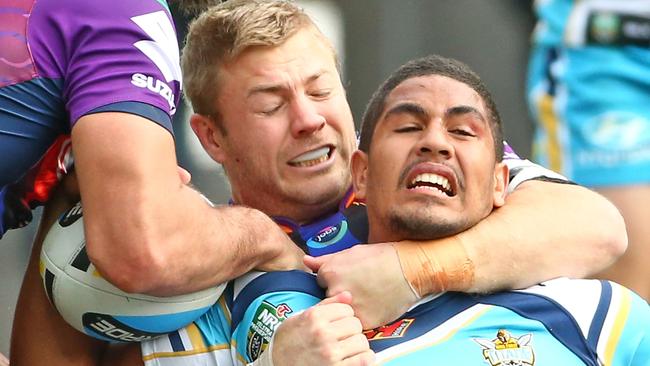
95,307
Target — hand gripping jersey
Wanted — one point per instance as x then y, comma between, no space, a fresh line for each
63,59
239,327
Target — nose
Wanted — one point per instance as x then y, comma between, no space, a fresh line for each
435,140
306,118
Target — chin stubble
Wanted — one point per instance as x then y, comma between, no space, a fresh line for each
415,227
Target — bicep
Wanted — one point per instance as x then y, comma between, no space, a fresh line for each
119,158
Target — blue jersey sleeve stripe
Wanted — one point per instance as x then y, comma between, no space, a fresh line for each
228,294
145,110
601,313
555,318
296,281
176,341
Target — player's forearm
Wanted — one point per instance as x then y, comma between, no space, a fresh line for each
187,246
146,230
545,230
230,242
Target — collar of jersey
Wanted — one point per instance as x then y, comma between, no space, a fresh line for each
289,226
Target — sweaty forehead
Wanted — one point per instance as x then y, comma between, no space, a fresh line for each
434,90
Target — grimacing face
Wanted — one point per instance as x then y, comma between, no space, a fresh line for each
289,129
431,170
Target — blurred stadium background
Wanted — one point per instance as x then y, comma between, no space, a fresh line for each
373,38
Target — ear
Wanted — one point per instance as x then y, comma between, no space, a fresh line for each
500,184
210,136
360,174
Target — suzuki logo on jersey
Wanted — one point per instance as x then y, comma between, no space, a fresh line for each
266,320
508,350
394,330
328,235
162,50
156,86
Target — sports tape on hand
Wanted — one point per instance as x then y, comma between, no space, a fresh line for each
432,268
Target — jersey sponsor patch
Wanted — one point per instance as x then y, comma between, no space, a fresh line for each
610,28
506,349
266,320
163,51
618,130
393,330
329,235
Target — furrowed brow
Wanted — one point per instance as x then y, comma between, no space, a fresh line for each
277,88
264,89
407,108
315,76
465,109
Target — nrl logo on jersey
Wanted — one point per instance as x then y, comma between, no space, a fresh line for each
162,50
266,320
506,350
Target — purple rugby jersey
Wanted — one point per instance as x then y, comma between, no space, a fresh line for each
62,59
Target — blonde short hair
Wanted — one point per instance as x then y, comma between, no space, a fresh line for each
223,32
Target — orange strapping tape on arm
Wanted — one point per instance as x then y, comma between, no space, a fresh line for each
434,267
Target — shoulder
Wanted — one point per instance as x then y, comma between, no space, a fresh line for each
115,56
83,18
255,283
613,319
296,290
624,337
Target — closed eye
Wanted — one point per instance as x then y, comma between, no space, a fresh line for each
462,132
271,110
408,128
323,93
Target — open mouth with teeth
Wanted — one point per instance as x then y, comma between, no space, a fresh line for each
432,181
313,157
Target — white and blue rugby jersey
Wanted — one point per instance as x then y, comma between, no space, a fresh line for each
560,322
